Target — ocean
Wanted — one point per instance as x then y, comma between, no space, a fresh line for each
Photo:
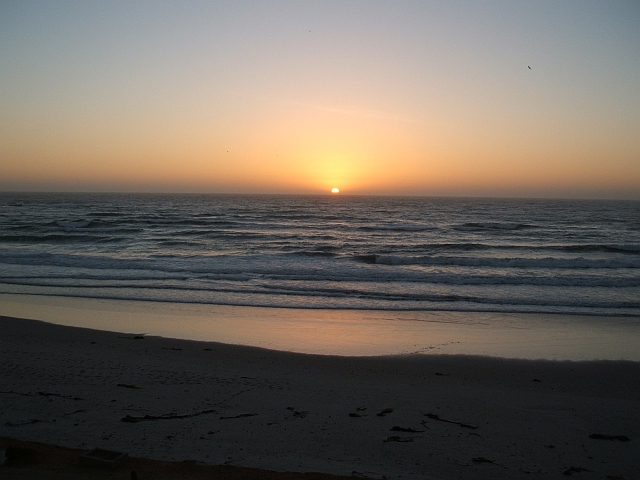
326,252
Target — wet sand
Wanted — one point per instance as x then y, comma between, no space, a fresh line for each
406,416
348,332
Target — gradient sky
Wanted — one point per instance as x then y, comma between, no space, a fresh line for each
402,97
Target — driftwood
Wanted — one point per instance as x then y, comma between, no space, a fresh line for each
47,394
242,415
398,439
296,413
600,436
433,416
382,413
11,392
20,424
77,411
396,428
571,470
481,460
167,416
42,394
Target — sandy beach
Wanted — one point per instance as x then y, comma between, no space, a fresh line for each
408,416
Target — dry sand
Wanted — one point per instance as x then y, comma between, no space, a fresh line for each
446,416
34,460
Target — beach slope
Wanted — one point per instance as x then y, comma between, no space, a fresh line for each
414,416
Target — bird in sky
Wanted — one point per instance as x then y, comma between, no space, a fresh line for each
529,67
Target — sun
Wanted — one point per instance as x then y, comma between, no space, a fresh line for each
335,190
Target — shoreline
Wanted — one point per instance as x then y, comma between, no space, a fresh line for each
283,411
348,332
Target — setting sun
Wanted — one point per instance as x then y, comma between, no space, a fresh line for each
335,190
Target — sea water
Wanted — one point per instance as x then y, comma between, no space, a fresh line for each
326,252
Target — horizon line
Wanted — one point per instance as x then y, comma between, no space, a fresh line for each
328,194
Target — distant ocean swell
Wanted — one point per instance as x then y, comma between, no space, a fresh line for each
326,252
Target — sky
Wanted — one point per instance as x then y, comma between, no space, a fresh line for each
477,98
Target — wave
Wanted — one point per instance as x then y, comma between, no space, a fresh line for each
57,238
631,249
370,259
255,297
476,226
397,227
548,262
327,261
313,251
319,251
178,243
196,271
73,224
108,214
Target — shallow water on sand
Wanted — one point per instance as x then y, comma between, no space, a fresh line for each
348,332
